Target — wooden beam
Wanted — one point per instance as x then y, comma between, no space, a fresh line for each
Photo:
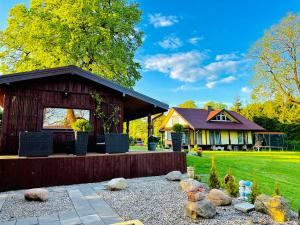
127,127
149,121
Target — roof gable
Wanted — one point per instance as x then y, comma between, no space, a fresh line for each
214,113
37,74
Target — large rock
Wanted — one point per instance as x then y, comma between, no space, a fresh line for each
117,184
36,194
195,196
204,209
192,185
277,207
219,198
174,176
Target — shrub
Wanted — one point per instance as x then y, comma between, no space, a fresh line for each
231,186
81,125
197,150
213,176
177,128
255,189
276,189
153,139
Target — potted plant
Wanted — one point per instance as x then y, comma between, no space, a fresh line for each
114,142
152,143
81,127
176,137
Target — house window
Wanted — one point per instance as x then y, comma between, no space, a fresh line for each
59,118
221,117
240,138
199,137
215,137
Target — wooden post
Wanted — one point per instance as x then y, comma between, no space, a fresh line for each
127,126
149,126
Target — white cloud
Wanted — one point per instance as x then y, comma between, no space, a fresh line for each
212,84
195,40
170,42
179,66
158,20
246,90
186,87
191,67
230,56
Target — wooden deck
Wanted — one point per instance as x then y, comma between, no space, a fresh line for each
21,172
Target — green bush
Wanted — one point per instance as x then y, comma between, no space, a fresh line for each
213,180
178,128
231,185
153,139
81,125
255,189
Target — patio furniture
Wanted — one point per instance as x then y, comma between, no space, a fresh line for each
35,144
100,143
116,143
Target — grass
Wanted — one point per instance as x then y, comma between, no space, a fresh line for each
270,167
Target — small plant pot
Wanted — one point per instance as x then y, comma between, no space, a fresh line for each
176,141
152,146
81,142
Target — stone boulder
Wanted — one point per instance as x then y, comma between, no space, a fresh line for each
36,194
277,207
191,185
174,176
219,198
204,209
195,196
117,184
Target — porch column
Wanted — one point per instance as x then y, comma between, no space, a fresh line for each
229,137
127,126
149,120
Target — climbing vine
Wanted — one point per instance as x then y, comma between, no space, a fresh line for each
110,120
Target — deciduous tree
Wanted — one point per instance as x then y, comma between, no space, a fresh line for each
188,104
96,35
277,60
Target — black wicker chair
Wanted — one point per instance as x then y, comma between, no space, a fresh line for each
35,144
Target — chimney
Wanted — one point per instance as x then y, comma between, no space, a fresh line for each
209,108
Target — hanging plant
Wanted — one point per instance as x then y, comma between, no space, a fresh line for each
108,121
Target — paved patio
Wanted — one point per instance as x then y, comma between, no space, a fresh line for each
89,209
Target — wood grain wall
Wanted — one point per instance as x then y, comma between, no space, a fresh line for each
24,103
23,173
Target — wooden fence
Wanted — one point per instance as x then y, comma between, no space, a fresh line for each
20,173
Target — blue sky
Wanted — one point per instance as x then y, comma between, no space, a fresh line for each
196,49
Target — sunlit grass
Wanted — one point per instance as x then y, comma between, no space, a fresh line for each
283,167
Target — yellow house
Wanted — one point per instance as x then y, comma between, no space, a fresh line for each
209,128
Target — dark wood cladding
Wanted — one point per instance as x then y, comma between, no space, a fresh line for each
24,103
20,173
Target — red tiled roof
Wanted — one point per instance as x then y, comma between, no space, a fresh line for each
197,118
213,113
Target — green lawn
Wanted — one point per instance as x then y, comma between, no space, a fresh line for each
283,167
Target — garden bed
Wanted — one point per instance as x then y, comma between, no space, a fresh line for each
156,201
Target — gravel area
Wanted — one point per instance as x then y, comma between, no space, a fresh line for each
156,201
16,207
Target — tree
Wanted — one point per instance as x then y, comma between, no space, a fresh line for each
215,105
276,56
213,179
237,105
96,35
188,104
